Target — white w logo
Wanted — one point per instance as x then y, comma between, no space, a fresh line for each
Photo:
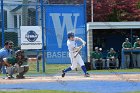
60,26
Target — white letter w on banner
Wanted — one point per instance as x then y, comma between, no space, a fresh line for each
60,26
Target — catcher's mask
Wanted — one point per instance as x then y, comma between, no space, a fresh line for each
19,53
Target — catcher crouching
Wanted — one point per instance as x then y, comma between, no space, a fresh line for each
16,65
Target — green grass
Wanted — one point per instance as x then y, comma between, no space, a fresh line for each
117,70
132,92
50,68
57,68
40,91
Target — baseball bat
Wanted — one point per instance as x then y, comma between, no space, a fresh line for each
78,51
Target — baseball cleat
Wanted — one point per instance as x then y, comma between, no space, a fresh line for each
9,77
63,73
12,77
87,75
20,77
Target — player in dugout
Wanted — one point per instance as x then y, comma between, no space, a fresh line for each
127,45
112,57
97,57
136,55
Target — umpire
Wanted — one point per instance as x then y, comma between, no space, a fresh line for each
5,52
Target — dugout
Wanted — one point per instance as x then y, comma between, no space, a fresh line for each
110,34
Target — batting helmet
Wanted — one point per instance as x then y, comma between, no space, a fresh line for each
70,34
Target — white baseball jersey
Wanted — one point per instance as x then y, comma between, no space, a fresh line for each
72,47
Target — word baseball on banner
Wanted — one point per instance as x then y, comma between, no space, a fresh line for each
61,19
31,37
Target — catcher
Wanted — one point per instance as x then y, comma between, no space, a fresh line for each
16,65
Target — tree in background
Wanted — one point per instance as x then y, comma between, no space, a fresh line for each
126,10
116,10
108,10
102,9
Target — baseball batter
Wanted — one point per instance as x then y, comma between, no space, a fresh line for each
74,57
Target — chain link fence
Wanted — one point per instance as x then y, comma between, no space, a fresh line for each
22,13
29,13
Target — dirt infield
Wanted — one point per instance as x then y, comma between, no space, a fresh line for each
96,83
74,77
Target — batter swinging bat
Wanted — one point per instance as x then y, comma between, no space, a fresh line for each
78,51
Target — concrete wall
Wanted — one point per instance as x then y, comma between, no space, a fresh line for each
89,44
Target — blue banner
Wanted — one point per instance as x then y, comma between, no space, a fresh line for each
61,19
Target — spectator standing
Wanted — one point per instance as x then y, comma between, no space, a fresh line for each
126,46
136,56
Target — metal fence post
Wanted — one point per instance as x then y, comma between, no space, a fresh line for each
37,62
85,26
2,18
36,14
42,24
91,10
131,36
